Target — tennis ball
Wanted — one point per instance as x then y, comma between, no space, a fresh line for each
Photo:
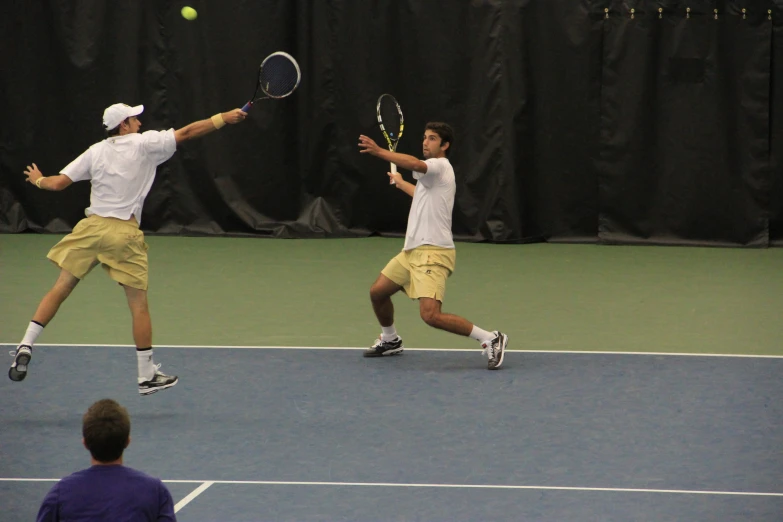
188,13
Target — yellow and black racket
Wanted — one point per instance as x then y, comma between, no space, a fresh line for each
391,122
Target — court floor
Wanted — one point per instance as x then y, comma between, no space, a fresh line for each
308,433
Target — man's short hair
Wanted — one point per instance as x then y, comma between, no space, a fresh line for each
445,132
106,430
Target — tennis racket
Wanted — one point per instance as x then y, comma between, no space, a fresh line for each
391,122
278,76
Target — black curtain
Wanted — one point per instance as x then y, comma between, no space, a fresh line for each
604,121
773,184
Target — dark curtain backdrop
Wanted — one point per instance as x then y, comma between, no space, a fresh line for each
605,121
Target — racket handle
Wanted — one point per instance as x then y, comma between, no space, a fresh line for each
247,106
394,171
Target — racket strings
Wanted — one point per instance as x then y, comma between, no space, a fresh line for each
279,76
390,118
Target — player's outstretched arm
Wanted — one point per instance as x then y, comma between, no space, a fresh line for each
406,161
201,128
36,177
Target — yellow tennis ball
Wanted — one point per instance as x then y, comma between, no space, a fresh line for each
188,13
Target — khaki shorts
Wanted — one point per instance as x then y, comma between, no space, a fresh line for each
422,272
118,245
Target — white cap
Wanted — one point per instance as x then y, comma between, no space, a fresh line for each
118,112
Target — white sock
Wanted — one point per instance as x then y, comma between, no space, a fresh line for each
32,333
480,335
146,366
389,333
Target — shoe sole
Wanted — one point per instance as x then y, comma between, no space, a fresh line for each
150,391
18,370
396,351
503,345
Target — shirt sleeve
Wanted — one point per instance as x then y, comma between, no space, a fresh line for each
79,169
159,145
433,174
166,511
49,511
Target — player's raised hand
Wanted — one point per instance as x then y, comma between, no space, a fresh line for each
367,145
32,173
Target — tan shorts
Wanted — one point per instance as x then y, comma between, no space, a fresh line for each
422,272
118,245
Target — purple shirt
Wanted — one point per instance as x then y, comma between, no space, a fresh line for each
115,493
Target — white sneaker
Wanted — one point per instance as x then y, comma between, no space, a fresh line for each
22,356
159,381
495,349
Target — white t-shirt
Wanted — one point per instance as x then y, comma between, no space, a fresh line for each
121,170
429,221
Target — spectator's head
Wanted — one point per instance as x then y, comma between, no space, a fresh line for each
106,431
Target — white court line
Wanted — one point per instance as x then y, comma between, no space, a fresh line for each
570,352
206,483
193,494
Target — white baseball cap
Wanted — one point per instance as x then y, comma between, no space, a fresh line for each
117,113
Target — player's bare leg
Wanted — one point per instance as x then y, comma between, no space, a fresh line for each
493,343
140,313
47,309
150,379
430,311
51,302
380,295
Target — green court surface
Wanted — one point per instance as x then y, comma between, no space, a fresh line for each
272,292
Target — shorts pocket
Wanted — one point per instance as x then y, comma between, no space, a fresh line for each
135,244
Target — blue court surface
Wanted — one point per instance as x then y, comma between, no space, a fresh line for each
252,434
